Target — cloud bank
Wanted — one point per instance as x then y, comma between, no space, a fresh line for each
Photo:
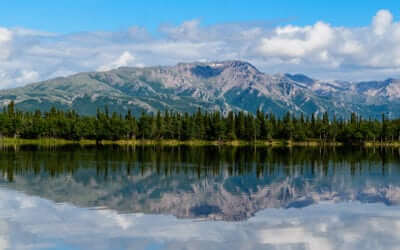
28,222
321,50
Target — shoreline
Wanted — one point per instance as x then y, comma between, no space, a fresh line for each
134,142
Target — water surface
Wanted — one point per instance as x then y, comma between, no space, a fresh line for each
199,198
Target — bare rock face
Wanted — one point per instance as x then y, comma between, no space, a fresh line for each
224,86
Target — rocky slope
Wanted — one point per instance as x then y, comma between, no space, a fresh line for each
224,86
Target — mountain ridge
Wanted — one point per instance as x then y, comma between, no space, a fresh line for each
221,85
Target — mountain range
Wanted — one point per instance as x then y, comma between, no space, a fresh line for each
224,86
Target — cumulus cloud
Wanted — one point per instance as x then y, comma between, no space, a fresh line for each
124,60
5,35
382,22
298,42
29,222
321,49
5,38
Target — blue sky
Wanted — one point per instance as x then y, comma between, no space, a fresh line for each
345,40
88,15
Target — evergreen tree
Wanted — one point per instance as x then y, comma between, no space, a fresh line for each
230,126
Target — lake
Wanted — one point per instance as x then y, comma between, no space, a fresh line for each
199,198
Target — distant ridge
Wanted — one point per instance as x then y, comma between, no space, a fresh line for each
222,85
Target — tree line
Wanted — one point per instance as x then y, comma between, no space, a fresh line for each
213,126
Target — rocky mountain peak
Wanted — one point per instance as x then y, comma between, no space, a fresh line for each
219,85
235,67
213,69
301,78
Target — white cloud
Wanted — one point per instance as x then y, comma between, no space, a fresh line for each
293,41
5,38
125,59
321,50
27,76
189,30
382,22
5,35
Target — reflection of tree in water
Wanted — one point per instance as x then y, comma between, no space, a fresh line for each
230,183
201,161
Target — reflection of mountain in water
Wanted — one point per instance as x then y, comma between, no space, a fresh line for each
213,183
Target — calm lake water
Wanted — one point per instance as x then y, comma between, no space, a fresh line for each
199,198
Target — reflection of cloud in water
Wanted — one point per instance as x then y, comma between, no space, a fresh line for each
293,236
37,223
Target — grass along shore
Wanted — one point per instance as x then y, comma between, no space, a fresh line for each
138,142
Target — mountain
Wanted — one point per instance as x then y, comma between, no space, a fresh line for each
224,86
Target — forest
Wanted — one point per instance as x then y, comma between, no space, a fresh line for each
207,126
